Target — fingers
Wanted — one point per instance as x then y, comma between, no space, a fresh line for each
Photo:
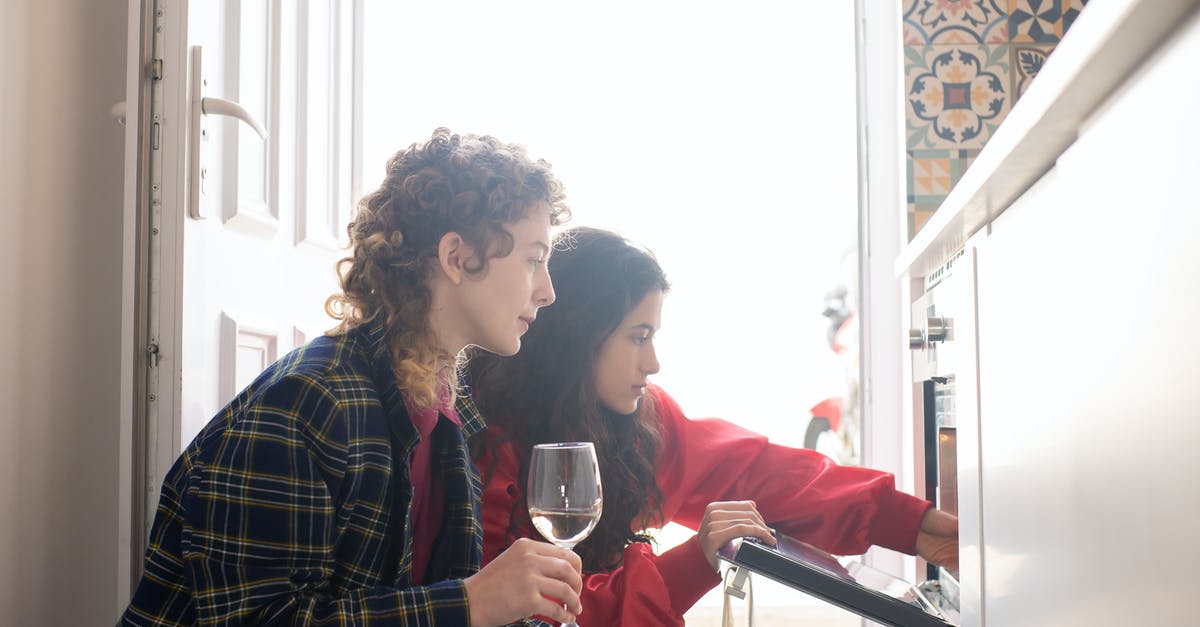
722,516
725,531
725,510
560,580
547,607
572,558
937,539
559,595
549,550
725,520
546,597
553,562
527,578
940,550
947,559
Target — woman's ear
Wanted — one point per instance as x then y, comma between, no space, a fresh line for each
454,255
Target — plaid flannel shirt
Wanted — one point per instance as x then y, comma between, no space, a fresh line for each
279,511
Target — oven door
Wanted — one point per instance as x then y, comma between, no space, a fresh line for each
844,582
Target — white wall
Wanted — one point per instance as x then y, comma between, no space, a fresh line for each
61,241
887,435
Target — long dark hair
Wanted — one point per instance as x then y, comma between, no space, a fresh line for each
547,392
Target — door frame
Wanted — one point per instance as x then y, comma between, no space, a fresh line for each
151,315
885,365
131,540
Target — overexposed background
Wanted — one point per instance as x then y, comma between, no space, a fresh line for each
720,136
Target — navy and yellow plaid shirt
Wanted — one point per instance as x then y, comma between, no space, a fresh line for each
281,509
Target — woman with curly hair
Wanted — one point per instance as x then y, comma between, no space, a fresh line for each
583,375
337,487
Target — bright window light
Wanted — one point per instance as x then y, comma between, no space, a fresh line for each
719,135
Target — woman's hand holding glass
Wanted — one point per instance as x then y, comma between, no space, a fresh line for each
521,582
563,493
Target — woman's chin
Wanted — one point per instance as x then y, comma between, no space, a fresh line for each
624,409
506,348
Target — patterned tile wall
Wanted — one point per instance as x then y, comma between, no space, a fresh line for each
965,63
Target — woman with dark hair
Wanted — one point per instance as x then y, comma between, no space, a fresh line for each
582,375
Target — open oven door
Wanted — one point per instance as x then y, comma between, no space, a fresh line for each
849,584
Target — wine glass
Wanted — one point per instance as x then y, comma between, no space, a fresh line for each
563,492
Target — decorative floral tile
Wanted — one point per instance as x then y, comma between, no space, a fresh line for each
955,22
1041,21
933,173
956,96
1026,62
962,77
931,176
1070,12
1034,20
918,215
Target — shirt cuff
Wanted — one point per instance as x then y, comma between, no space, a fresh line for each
449,603
687,574
898,521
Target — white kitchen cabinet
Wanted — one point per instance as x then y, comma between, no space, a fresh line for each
1088,310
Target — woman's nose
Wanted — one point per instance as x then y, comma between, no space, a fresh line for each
544,294
650,364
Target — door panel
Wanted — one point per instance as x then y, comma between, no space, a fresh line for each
251,64
246,349
257,271
325,73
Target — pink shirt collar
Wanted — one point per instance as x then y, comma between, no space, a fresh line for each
425,418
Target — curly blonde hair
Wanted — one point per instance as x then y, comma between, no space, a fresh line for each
467,184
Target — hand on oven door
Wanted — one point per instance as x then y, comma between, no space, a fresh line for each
937,539
726,520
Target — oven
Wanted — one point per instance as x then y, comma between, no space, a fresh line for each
946,426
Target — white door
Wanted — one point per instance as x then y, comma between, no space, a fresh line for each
257,188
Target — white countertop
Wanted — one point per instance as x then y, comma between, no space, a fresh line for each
1104,46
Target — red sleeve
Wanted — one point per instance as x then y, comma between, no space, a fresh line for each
802,493
647,589
842,509
499,467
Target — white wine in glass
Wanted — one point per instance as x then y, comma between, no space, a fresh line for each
563,527
563,492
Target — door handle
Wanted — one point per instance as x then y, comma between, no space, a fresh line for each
118,112
220,106
201,105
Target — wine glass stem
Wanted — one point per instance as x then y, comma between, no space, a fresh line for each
570,546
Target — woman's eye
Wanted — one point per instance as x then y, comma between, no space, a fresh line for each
641,339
